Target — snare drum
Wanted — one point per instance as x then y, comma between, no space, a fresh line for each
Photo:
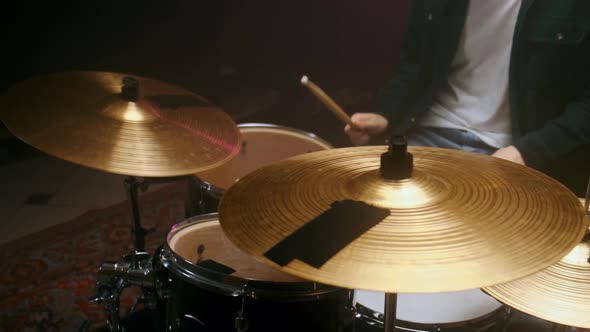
262,144
216,287
463,311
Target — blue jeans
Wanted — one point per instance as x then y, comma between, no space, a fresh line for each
448,138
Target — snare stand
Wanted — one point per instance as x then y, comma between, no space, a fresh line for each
390,312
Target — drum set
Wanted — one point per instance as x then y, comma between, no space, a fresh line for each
286,233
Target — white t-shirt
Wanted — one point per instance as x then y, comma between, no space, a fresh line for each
476,96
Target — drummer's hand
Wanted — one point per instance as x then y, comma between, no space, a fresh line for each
366,126
509,153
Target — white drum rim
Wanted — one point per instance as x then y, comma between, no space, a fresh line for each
301,132
216,192
228,284
492,307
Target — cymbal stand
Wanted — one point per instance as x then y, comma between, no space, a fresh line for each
587,201
132,185
108,293
396,164
587,211
137,269
390,311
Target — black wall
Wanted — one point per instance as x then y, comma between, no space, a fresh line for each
184,41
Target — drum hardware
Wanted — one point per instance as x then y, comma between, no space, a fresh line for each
254,297
138,232
175,275
390,311
202,203
462,311
137,269
587,200
470,213
241,321
480,219
108,294
263,144
396,164
122,124
132,187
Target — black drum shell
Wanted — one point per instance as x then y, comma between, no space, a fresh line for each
201,299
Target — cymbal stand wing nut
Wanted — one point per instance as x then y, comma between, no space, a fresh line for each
397,163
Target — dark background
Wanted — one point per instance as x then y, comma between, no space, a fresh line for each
246,56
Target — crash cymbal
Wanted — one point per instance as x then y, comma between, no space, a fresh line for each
153,129
462,221
560,293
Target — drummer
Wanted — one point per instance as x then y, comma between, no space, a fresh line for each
502,78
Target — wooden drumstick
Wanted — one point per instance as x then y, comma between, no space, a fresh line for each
326,100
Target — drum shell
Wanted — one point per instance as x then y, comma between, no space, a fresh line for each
369,320
263,144
200,299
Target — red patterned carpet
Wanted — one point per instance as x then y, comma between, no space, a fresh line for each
47,278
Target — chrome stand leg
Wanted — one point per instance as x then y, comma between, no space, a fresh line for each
138,232
390,311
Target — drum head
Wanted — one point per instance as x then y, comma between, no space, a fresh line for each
262,144
436,308
201,241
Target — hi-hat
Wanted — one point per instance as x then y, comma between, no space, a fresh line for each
119,123
462,221
560,293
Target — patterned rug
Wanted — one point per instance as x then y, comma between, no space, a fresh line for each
47,278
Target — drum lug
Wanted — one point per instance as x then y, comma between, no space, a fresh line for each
163,281
137,259
241,323
204,189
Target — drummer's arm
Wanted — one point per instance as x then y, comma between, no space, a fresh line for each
509,153
559,136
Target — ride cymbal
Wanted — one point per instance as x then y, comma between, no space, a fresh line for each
560,293
462,221
140,127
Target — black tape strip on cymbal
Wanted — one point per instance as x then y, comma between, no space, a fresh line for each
323,237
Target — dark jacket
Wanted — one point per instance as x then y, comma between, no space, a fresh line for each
549,80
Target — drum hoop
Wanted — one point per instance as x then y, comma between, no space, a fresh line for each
502,313
286,128
217,192
229,284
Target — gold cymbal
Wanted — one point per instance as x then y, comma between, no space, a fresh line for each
462,221
153,129
560,293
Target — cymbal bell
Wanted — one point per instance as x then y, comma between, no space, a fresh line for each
462,221
560,293
120,123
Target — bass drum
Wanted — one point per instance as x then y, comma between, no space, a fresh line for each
262,144
215,287
463,311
